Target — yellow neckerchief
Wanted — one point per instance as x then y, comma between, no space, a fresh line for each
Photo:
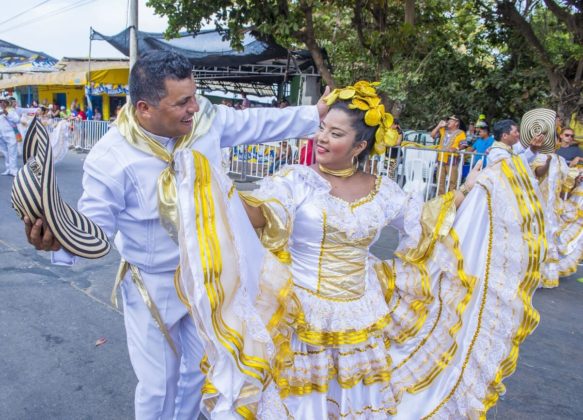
503,146
130,129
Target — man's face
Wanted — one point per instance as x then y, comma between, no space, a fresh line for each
567,138
173,115
483,133
452,124
512,137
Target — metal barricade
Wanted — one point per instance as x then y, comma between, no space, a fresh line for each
425,169
83,134
415,168
260,160
86,133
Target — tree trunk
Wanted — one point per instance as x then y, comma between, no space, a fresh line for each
410,12
310,40
565,92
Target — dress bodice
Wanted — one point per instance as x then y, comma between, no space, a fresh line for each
330,238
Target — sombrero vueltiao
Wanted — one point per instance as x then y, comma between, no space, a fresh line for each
35,194
539,121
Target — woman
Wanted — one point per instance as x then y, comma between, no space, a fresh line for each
341,333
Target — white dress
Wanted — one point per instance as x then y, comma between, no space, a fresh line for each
338,333
563,211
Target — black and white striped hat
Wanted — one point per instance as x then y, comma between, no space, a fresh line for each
35,194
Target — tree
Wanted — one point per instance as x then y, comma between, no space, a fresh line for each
553,33
287,22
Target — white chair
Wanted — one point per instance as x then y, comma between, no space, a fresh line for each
415,169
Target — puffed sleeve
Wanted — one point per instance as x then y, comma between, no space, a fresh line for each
277,200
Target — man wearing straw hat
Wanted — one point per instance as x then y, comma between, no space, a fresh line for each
507,143
129,191
8,145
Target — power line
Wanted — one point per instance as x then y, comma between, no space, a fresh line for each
79,3
26,11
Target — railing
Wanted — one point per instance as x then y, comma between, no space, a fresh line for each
82,134
413,167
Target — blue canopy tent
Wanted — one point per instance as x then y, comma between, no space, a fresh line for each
261,67
15,59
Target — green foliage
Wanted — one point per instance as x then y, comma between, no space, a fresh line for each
458,56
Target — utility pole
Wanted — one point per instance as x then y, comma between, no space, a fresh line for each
133,32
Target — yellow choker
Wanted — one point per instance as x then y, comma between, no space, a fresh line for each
341,173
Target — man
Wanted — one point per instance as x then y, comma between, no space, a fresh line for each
568,148
507,143
483,143
121,178
450,137
8,146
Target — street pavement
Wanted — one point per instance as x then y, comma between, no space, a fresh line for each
52,317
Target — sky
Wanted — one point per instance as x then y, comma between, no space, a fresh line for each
60,28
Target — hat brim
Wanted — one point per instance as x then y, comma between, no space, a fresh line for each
35,194
539,121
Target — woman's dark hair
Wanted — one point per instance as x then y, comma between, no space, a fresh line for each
150,71
363,131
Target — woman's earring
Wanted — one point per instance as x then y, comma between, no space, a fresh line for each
355,161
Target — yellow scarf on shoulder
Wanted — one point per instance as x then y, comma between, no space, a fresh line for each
130,129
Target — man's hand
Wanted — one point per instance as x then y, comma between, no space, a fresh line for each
541,171
41,239
441,124
537,142
322,105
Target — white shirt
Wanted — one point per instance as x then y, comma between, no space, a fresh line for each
120,181
6,129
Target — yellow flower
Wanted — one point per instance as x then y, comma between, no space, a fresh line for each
391,137
373,117
331,98
358,104
347,93
379,148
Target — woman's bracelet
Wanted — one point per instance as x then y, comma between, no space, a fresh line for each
464,189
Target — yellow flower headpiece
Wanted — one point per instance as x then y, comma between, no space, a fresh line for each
363,95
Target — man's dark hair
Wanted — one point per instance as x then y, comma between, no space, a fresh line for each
150,72
502,127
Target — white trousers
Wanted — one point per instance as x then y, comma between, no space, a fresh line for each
169,386
9,148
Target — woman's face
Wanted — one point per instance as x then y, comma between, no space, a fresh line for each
335,146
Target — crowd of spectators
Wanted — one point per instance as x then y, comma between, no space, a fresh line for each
75,111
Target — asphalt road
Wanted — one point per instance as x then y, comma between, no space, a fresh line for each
52,317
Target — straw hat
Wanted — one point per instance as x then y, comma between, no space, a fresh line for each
539,121
35,194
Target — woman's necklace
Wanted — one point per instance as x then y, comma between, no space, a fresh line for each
341,173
